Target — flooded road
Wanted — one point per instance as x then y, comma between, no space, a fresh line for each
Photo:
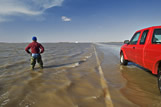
74,75
136,85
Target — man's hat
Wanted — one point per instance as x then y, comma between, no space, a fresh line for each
34,38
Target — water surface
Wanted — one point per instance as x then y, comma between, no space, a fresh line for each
71,78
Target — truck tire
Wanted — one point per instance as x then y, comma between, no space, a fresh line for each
159,79
122,59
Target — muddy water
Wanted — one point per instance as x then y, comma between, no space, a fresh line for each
71,78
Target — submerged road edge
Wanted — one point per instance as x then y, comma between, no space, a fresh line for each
104,85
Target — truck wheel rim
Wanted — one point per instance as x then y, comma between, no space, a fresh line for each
122,58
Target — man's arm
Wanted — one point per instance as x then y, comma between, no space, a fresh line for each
27,49
42,48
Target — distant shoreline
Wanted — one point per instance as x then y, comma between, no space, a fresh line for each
112,43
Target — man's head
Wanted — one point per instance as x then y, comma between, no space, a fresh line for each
34,38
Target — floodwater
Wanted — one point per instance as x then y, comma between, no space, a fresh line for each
72,77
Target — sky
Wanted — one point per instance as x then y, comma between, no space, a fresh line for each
76,20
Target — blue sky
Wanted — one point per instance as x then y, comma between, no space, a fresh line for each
76,20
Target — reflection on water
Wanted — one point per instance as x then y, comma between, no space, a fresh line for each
142,87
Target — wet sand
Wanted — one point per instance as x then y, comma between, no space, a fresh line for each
71,78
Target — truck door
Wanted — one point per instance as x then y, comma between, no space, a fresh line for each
140,48
131,47
153,49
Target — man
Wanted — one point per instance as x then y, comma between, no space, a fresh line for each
35,52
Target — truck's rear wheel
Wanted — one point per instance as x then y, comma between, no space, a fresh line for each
122,59
159,78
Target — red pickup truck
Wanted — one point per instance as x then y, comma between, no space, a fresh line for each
144,49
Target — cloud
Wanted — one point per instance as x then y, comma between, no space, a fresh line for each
26,7
66,19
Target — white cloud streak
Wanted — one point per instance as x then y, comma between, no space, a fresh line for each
27,7
66,19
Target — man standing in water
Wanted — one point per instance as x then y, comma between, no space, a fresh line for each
35,52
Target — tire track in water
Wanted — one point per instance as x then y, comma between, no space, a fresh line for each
106,92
